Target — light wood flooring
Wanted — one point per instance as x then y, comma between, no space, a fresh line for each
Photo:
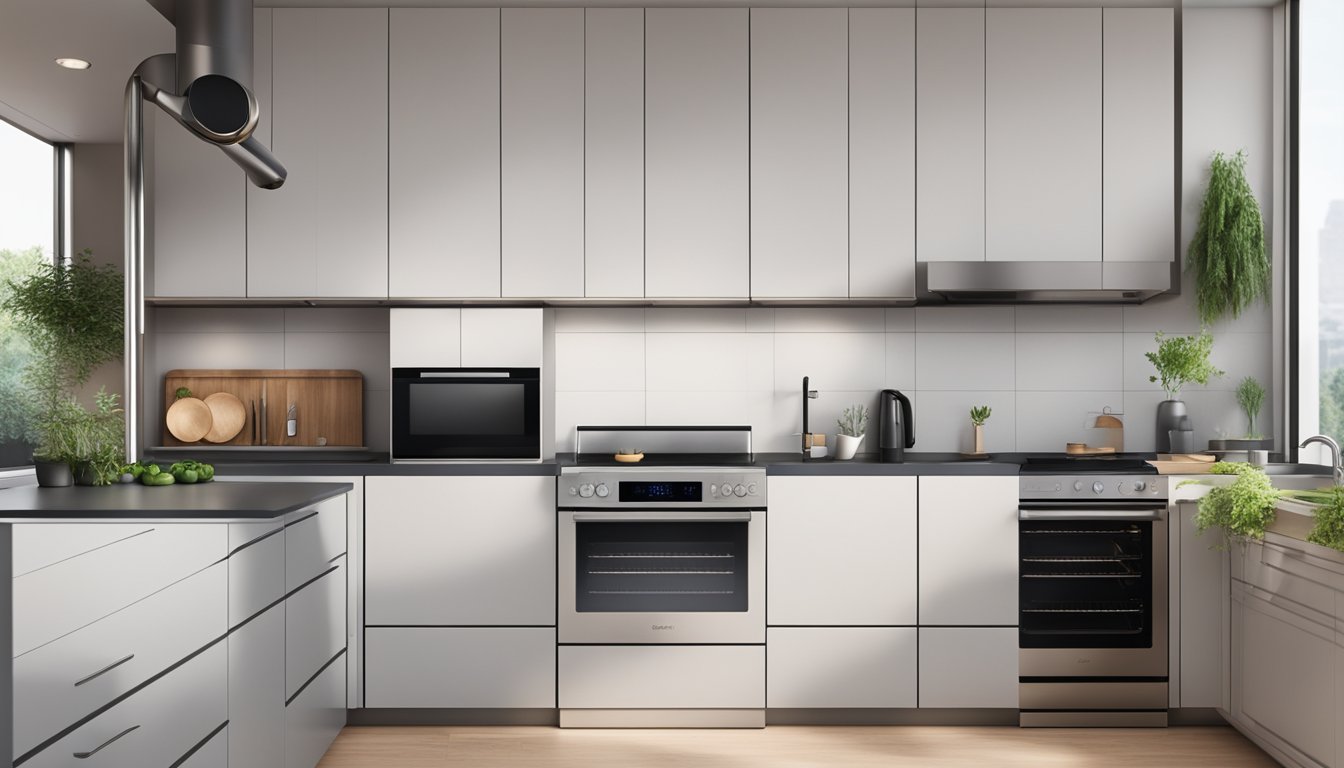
790,747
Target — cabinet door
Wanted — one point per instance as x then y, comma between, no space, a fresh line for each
881,153
841,551
459,551
257,691
968,551
461,667
950,130
501,338
200,215
799,153
696,153
1139,134
324,233
314,628
1202,587
613,156
541,151
968,667
425,337
841,667
1043,134
314,718
443,152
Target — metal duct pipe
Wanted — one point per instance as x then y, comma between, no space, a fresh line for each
214,37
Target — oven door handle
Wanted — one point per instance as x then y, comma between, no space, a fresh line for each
1091,514
663,517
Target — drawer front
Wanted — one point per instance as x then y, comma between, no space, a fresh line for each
313,541
155,727
314,628
662,677
214,753
826,667
61,598
460,667
313,720
39,545
1285,577
63,681
256,570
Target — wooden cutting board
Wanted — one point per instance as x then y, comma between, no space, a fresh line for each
329,404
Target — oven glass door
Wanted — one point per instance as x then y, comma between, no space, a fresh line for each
456,413
661,567
1086,583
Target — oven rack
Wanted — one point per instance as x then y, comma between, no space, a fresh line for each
1118,558
1087,606
656,572
660,591
661,556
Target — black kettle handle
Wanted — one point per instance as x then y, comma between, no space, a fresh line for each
908,418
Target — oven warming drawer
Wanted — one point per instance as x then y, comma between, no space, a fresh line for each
1108,695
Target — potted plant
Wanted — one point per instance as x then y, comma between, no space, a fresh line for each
1227,255
1179,360
72,317
979,415
1251,396
852,424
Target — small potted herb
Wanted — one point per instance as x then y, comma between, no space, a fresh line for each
1251,396
852,424
1179,360
979,415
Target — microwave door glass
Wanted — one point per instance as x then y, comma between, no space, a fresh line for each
462,408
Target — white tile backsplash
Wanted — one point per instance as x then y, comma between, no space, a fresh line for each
219,350
830,320
964,361
1048,420
834,361
1054,318
336,319
964,319
943,421
599,362
366,352
708,362
686,320
1058,362
594,409
900,361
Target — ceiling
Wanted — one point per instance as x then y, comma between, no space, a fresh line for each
116,35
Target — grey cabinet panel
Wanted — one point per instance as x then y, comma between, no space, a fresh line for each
324,233
696,153
314,628
257,691
443,152
882,153
799,153
968,551
614,152
950,126
461,667
841,667
968,667
541,151
315,718
1202,588
1139,135
1043,134
200,215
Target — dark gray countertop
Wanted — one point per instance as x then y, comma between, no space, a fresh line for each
925,464
371,468
202,501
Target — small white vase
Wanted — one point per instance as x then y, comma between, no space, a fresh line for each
846,446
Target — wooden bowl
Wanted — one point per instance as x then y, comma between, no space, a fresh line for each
189,419
227,416
629,458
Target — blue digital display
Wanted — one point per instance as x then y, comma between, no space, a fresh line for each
660,492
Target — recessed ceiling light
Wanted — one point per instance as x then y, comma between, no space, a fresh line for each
70,63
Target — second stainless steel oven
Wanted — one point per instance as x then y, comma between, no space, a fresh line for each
662,555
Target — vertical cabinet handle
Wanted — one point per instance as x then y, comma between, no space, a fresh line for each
99,748
104,670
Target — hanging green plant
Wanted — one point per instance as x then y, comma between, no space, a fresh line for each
1227,256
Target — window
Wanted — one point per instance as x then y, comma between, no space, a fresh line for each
27,238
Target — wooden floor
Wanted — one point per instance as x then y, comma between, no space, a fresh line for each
789,747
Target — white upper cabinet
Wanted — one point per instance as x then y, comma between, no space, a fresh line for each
882,153
324,233
1139,145
541,152
799,153
696,153
443,156
613,153
950,130
1043,134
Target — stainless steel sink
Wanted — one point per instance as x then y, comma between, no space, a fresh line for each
1320,470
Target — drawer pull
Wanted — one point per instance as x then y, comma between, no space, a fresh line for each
105,670
99,748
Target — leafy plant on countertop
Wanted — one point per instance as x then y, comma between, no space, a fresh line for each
1329,513
1242,509
91,442
1182,360
1251,396
1227,255
853,421
980,414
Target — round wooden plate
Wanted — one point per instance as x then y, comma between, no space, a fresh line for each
227,417
188,419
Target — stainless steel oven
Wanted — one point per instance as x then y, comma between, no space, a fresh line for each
466,413
1093,600
662,555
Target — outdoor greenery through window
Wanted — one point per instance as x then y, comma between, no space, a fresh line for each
27,233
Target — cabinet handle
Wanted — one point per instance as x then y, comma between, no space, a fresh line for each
99,748
105,670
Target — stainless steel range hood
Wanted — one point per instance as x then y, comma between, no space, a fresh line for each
1007,282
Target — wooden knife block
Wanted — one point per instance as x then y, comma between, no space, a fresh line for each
330,404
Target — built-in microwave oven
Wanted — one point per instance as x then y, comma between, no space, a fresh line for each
466,413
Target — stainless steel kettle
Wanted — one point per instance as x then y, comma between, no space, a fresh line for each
896,425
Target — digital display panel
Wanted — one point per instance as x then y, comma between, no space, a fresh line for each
660,492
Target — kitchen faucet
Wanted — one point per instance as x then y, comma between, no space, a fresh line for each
1330,443
808,394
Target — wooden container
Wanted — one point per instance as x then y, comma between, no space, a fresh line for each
329,404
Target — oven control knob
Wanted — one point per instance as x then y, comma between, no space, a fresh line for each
740,490
1098,487
586,490
573,491
1140,486
602,491
751,489
1078,485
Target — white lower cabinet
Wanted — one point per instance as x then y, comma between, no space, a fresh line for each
314,628
1198,614
460,667
968,667
968,551
841,667
256,693
661,677
315,717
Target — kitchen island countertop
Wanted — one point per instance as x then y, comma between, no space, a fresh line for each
214,502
